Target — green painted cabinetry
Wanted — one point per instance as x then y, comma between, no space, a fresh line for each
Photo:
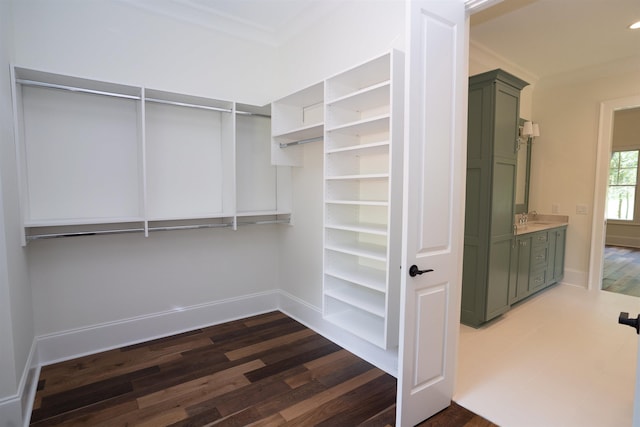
494,112
538,262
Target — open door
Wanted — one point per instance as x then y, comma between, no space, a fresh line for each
433,223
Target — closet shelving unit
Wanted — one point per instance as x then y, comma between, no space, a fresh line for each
98,157
362,198
297,119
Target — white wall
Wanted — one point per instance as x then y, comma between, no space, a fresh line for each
564,156
482,59
350,35
16,315
116,41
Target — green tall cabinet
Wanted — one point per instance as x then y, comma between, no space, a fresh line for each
489,241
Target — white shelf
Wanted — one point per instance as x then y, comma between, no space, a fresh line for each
360,227
372,96
358,147
203,215
295,118
358,177
361,298
303,132
366,250
360,275
261,213
368,74
357,202
360,323
375,124
63,222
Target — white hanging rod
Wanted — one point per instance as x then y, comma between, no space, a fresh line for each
75,89
246,113
302,141
185,104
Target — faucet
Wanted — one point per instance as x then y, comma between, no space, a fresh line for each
523,218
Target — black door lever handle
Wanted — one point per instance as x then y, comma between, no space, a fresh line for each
414,271
634,323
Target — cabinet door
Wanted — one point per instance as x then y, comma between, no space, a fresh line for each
501,246
524,267
558,267
551,257
498,279
507,114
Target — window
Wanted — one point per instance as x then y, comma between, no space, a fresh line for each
623,176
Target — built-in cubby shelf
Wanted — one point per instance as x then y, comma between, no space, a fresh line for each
362,183
99,157
296,119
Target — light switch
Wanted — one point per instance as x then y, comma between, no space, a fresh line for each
581,209
555,208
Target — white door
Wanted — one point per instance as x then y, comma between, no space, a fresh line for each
433,226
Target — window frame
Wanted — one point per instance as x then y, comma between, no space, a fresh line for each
636,206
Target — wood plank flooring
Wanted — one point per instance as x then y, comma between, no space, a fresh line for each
621,270
267,370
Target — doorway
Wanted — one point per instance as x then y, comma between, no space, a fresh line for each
621,263
598,227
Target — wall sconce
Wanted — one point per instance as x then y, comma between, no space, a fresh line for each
528,132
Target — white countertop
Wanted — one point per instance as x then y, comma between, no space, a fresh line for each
540,222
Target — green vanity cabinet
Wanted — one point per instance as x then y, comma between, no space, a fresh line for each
492,132
557,242
538,262
521,269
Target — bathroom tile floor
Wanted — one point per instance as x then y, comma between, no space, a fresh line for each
559,358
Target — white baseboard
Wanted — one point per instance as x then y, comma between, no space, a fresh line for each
67,345
11,412
16,410
576,278
626,241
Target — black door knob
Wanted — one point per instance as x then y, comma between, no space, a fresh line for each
414,271
634,323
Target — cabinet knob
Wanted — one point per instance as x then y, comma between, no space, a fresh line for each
415,271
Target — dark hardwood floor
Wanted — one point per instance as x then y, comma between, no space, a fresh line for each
267,370
621,270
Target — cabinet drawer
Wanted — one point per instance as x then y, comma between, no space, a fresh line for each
539,256
537,279
540,238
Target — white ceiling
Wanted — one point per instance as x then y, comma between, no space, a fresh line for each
271,22
549,37
543,37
